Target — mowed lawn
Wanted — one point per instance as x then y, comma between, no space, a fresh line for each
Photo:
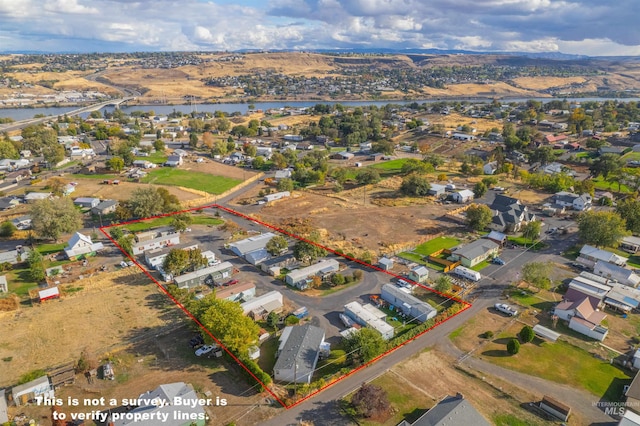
559,362
189,179
390,167
166,221
436,244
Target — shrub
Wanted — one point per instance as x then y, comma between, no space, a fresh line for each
527,334
7,229
487,334
357,274
292,320
513,347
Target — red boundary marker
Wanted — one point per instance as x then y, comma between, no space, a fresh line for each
103,229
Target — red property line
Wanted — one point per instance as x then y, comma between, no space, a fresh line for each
103,229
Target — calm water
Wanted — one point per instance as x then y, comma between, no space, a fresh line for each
26,113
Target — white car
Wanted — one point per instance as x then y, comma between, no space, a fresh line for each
506,309
203,350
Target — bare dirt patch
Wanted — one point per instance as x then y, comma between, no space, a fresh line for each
546,82
220,169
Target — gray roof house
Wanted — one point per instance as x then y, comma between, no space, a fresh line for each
475,252
589,255
14,256
298,277
298,353
450,411
260,306
509,214
79,245
206,275
419,274
167,393
407,303
86,202
250,244
105,207
578,202
173,161
618,273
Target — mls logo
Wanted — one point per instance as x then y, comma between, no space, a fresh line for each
614,410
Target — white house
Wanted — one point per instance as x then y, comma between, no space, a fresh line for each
299,277
173,161
407,303
490,168
583,317
617,273
419,274
155,243
259,307
298,353
589,255
80,245
369,316
475,252
86,202
574,201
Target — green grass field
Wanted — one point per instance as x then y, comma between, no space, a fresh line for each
548,361
155,158
46,249
165,221
631,156
391,165
20,281
480,266
189,179
600,183
412,257
436,244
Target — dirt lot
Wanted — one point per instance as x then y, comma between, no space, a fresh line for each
110,309
219,169
438,377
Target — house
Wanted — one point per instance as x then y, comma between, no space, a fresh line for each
617,273
25,393
8,203
365,146
574,201
583,317
490,168
208,275
105,207
469,255
81,245
343,155
247,245
385,263
256,257
143,164
509,214
610,150
629,419
622,298
48,294
32,197
241,292
462,137
555,408
259,307
4,287
276,196
497,237
557,168
18,255
589,255
140,247
22,223
298,353
273,265
369,316
173,161
407,303
300,277
450,411
154,258
630,244
463,196
556,139
419,274
633,394
437,189
174,403
283,174
86,203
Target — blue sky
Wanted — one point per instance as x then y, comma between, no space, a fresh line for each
589,27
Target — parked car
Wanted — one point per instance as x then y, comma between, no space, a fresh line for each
231,282
505,309
203,350
497,261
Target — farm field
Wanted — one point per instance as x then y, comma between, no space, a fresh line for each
190,179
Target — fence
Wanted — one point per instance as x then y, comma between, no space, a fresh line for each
448,264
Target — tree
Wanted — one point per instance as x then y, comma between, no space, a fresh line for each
513,346
8,150
116,232
527,334
543,155
193,139
36,267
306,252
479,189
415,185
126,243
176,262
115,163
285,184
226,320
52,217
601,229
158,145
337,279
537,274
145,202
53,154
7,229
443,284
606,164
368,176
531,230
181,221
479,216
57,185
629,210
370,401
272,319
416,166
364,345
277,245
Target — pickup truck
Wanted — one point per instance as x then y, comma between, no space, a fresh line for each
505,309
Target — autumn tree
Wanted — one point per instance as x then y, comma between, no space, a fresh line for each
479,216
53,154
51,218
370,401
115,163
56,185
601,229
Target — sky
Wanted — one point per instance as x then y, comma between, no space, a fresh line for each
584,27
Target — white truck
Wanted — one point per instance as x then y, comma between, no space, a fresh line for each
505,309
467,273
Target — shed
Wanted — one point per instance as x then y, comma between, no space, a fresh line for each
385,264
343,155
437,189
419,274
497,237
545,333
22,394
463,196
555,408
49,293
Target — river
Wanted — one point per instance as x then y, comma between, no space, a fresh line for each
27,113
